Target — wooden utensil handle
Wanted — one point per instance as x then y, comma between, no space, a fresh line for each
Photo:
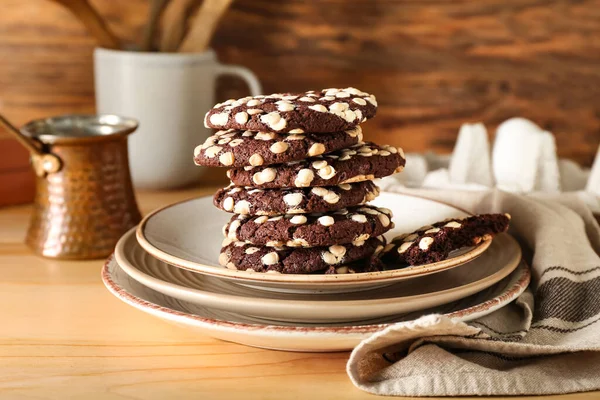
175,23
200,34
92,21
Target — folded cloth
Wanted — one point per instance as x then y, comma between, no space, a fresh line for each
546,342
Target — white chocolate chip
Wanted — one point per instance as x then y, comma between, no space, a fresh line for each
241,117
219,119
256,160
295,137
326,220
425,243
228,204
329,258
319,191
232,231
307,99
404,246
274,243
253,103
254,111
331,197
251,250
327,172
276,218
270,258
227,158
319,164
297,130
349,116
338,108
345,186
316,149
293,199
197,150
242,207
341,270
264,136
453,224
318,107
359,101
298,219
304,178
359,218
362,237
385,221
359,116
264,176
261,220
283,106
236,142
212,151
342,94
432,230
401,152
279,147
274,121
224,259
338,251
234,190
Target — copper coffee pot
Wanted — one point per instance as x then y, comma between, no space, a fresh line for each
84,198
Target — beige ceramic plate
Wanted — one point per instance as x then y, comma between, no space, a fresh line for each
188,235
295,337
419,293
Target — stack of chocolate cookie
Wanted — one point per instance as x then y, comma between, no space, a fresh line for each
301,176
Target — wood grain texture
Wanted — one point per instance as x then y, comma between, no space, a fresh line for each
64,336
432,64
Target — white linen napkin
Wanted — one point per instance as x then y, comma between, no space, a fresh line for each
546,342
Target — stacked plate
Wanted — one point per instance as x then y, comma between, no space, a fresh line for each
168,267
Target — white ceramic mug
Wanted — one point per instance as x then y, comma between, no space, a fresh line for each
168,93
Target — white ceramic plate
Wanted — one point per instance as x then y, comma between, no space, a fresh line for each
188,235
419,293
294,337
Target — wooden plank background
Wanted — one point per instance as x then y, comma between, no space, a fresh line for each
432,64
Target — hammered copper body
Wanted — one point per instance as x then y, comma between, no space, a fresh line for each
81,211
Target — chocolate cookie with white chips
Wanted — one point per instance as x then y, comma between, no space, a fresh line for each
252,201
233,148
348,225
433,243
361,162
330,110
286,260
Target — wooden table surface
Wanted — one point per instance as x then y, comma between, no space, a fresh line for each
63,336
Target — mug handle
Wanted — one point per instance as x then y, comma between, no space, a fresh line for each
244,73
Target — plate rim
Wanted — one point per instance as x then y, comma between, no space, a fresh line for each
131,270
343,279
517,287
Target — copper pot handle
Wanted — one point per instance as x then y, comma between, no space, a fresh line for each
43,163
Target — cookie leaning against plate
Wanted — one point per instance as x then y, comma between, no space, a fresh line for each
361,162
330,110
233,148
434,242
252,201
244,256
348,225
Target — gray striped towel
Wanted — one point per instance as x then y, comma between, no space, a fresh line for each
546,342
